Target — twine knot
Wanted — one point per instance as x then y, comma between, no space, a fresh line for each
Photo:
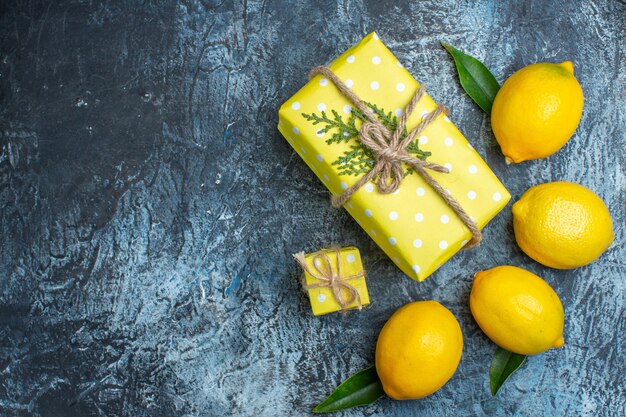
331,277
389,150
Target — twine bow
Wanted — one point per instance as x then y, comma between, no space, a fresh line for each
390,152
331,277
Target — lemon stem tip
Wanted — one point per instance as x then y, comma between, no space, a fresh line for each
559,342
568,65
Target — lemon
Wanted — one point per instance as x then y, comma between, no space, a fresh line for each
518,310
562,225
418,350
537,110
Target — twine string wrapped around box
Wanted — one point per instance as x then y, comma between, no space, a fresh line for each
331,277
390,152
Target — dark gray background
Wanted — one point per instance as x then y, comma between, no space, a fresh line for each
149,207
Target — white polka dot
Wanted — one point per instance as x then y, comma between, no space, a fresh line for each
346,134
423,140
295,105
449,166
444,219
443,244
376,37
419,217
400,87
396,260
369,188
374,85
398,112
321,107
347,109
471,195
349,204
417,243
396,192
469,145
318,262
472,169
375,60
448,142
416,269
324,82
447,191
373,232
320,157
446,118
326,177
321,298
319,133
392,241
393,215
349,83
368,213
350,59
464,243
398,63
420,191
350,258
302,149
344,186
295,130
424,113
496,196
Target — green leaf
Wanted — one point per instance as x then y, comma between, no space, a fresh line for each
503,364
362,388
475,78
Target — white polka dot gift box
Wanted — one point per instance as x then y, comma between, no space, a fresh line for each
353,145
334,279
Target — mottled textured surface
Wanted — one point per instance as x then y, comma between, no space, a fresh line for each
149,207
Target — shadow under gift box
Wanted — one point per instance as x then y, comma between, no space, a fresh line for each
414,226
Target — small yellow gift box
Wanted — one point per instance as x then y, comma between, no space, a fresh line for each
414,225
334,279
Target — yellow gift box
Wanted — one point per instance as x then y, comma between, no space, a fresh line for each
415,227
333,277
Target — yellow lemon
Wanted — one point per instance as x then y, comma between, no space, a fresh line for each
537,110
562,225
518,310
418,350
